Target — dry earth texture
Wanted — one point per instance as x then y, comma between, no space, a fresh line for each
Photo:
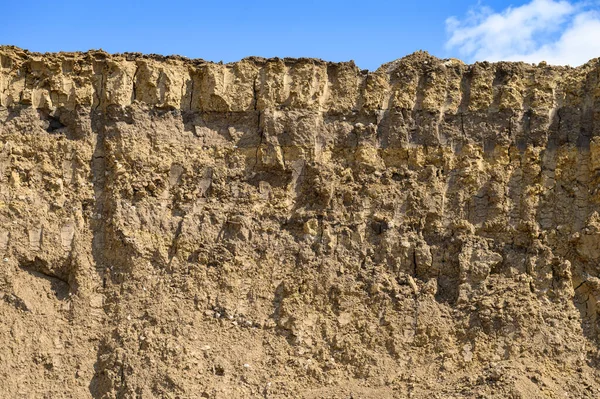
275,228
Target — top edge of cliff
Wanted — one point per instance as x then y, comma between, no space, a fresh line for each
416,82
417,57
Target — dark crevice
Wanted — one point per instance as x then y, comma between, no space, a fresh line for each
527,122
255,93
191,93
21,100
134,79
59,282
41,271
175,241
414,262
259,115
465,88
54,124
581,284
100,91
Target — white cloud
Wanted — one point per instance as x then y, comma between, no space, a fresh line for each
556,31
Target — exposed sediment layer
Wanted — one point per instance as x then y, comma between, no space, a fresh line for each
297,228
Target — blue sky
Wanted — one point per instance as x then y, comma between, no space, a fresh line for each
369,32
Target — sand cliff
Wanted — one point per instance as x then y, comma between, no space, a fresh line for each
296,228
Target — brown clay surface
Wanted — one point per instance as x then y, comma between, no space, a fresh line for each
278,228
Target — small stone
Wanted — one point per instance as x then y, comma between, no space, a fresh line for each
311,227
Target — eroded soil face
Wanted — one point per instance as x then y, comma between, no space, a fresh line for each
294,228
